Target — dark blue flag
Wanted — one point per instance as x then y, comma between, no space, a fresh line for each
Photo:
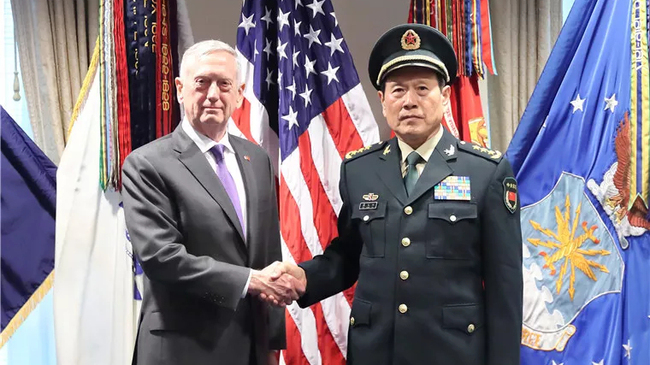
581,155
28,210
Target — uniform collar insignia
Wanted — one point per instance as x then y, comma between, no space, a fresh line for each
371,197
387,150
450,151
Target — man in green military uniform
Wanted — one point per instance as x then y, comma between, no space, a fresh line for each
429,227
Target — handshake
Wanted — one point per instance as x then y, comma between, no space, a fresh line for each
279,283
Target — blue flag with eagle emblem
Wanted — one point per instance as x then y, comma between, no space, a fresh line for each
581,155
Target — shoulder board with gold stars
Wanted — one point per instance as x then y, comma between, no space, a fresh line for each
477,150
363,150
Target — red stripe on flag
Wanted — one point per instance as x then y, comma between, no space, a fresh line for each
341,128
329,351
323,213
293,354
242,118
292,233
349,293
290,224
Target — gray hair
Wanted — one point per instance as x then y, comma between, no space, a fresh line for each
205,48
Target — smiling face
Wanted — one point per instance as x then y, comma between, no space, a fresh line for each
209,92
413,103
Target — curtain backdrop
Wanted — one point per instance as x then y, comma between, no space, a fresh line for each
523,34
54,40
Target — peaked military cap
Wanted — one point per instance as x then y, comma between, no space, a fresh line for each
412,45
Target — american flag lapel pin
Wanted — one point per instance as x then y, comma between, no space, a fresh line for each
247,158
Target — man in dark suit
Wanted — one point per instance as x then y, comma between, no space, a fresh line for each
429,227
201,211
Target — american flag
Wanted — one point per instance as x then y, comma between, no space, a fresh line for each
304,104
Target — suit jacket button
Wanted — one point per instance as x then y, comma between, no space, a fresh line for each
351,321
408,210
471,328
402,308
366,218
452,218
406,242
404,275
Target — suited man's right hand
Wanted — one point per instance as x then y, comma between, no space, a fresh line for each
284,271
274,287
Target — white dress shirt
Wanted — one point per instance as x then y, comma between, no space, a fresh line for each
425,151
205,144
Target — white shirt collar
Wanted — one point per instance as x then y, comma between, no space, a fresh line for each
425,150
203,142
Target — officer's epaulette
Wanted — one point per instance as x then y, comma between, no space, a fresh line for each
363,150
477,150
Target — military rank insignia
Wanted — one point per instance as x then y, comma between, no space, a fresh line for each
453,188
450,151
510,197
371,197
387,150
495,155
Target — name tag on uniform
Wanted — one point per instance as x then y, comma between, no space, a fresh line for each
368,206
453,188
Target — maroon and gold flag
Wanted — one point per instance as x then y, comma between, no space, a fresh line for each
467,25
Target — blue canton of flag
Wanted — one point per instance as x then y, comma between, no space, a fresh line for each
302,62
581,155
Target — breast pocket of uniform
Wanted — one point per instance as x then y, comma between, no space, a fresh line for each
371,219
454,230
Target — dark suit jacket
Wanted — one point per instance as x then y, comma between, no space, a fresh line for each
439,281
186,233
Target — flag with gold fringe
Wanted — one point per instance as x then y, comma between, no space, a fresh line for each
581,155
28,211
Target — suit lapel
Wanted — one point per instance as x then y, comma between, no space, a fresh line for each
390,171
437,168
196,163
250,186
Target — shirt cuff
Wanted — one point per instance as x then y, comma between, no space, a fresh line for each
250,273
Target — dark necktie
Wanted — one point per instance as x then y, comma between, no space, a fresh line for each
228,182
412,175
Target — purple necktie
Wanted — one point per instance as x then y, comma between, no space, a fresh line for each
228,182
